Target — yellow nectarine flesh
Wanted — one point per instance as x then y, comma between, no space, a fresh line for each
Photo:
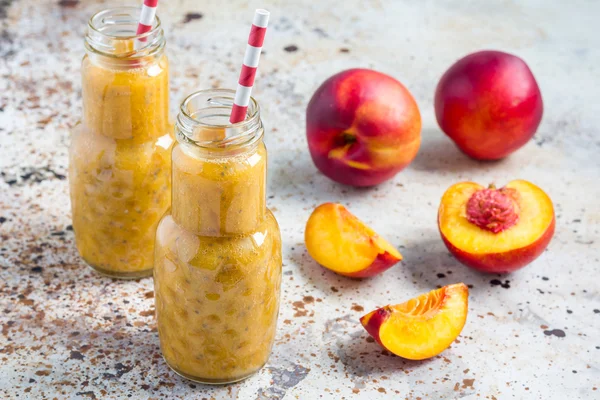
422,327
522,217
339,241
496,230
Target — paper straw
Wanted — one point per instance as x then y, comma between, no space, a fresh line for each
147,17
246,81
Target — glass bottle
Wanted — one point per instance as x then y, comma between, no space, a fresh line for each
119,158
217,268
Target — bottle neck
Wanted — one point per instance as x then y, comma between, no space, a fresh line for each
125,78
219,169
134,62
111,39
219,194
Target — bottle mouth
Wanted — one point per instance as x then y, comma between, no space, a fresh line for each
112,33
203,120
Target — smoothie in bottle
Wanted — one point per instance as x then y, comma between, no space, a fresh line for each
217,268
119,166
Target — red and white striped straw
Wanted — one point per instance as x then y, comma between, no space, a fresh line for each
246,81
147,17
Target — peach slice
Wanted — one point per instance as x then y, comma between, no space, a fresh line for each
496,230
422,327
339,241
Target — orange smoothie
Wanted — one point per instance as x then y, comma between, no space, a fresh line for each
218,264
120,164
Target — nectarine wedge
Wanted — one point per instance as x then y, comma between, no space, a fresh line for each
422,327
339,241
496,230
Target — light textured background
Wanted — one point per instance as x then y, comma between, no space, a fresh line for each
68,333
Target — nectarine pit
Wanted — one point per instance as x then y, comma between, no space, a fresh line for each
492,209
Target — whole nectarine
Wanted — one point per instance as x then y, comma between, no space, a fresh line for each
363,127
489,104
496,230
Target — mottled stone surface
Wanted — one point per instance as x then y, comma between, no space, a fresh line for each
68,333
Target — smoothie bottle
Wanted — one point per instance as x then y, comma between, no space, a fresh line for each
120,154
217,267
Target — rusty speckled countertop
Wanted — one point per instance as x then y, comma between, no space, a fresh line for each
68,333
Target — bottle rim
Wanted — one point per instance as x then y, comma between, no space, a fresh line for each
117,25
209,110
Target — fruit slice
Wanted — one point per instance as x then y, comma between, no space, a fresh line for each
422,327
339,241
496,230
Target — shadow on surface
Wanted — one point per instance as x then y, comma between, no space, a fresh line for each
323,279
438,153
299,176
362,357
431,265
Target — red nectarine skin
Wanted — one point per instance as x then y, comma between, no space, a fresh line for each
501,263
382,263
362,127
375,321
489,103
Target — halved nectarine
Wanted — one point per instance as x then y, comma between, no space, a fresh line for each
339,241
496,230
422,327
